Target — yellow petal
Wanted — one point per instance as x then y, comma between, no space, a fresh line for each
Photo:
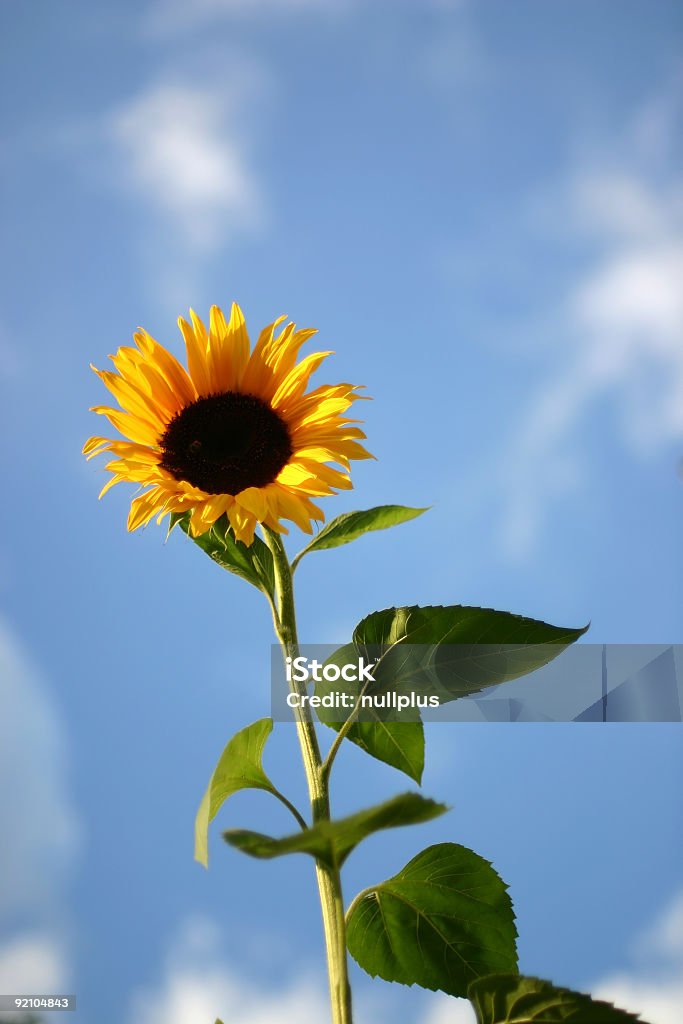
292,507
239,344
334,477
243,524
94,445
109,484
130,426
161,359
219,356
136,452
196,358
131,399
322,455
326,409
258,374
205,514
296,381
143,508
253,500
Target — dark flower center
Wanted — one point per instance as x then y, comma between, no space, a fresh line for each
224,443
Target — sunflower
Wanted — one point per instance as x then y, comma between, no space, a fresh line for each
235,434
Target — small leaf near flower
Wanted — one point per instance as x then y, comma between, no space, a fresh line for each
351,525
253,564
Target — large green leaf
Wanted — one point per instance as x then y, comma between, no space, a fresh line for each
332,841
454,651
239,767
399,743
448,652
443,921
352,525
253,564
516,999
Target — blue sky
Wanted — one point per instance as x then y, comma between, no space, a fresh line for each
480,206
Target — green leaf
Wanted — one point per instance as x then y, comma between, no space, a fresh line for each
253,564
454,651
352,525
516,999
443,921
333,841
449,652
400,744
239,767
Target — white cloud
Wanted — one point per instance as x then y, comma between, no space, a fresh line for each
41,831
658,1000
620,334
655,988
33,963
447,1010
665,938
623,205
197,988
634,307
182,149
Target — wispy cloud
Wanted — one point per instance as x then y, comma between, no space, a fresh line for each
620,330
168,16
664,939
34,962
196,987
41,830
654,988
40,825
165,17
181,149
446,1010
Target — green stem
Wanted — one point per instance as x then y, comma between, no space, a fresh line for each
338,740
342,734
329,881
290,807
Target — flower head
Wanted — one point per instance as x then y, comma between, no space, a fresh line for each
236,433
